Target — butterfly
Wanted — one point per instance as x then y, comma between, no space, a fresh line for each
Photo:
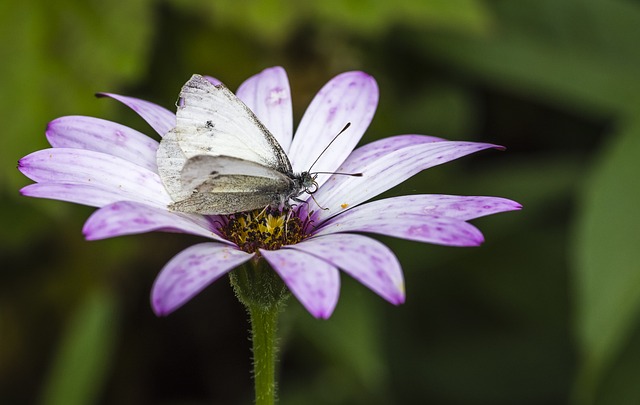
220,159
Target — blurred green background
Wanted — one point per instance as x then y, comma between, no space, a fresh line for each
546,312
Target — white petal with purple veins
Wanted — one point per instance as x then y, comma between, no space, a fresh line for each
86,194
383,167
160,119
349,97
62,165
462,208
103,136
268,95
421,228
190,272
365,259
127,218
314,282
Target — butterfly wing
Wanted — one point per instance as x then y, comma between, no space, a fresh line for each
225,185
212,121
171,159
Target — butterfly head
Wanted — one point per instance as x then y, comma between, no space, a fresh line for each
308,182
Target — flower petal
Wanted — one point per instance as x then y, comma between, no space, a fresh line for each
268,95
86,194
103,136
62,165
365,259
421,228
462,208
160,119
190,271
384,164
128,218
314,282
349,97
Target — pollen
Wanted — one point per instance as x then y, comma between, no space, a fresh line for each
268,229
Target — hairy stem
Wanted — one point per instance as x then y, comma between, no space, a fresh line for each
263,293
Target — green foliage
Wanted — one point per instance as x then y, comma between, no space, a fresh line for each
85,354
275,21
577,55
607,258
55,56
353,354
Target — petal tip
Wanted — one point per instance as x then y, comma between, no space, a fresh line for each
49,130
26,190
322,313
159,309
276,69
398,300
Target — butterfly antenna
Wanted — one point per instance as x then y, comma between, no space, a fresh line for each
341,174
327,147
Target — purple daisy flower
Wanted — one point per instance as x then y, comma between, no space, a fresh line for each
107,165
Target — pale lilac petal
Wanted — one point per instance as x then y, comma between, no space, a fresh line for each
86,194
421,228
268,95
62,165
103,136
349,97
128,218
190,272
160,119
314,282
365,259
384,165
462,208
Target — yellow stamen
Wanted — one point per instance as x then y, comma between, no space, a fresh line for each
263,229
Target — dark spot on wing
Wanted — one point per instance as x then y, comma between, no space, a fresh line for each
210,124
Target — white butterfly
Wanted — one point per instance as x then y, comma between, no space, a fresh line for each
220,159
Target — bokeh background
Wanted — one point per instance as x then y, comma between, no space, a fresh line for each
545,312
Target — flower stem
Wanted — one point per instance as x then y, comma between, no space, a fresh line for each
263,293
264,330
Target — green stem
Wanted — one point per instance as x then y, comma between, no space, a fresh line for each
264,329
263,293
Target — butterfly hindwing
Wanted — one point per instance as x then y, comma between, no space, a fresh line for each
224,185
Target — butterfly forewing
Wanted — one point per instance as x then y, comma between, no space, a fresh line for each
211,120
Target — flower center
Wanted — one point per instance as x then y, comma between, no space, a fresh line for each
264,229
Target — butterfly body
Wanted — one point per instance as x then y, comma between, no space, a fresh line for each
220,159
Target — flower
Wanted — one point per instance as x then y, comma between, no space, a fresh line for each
107,165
